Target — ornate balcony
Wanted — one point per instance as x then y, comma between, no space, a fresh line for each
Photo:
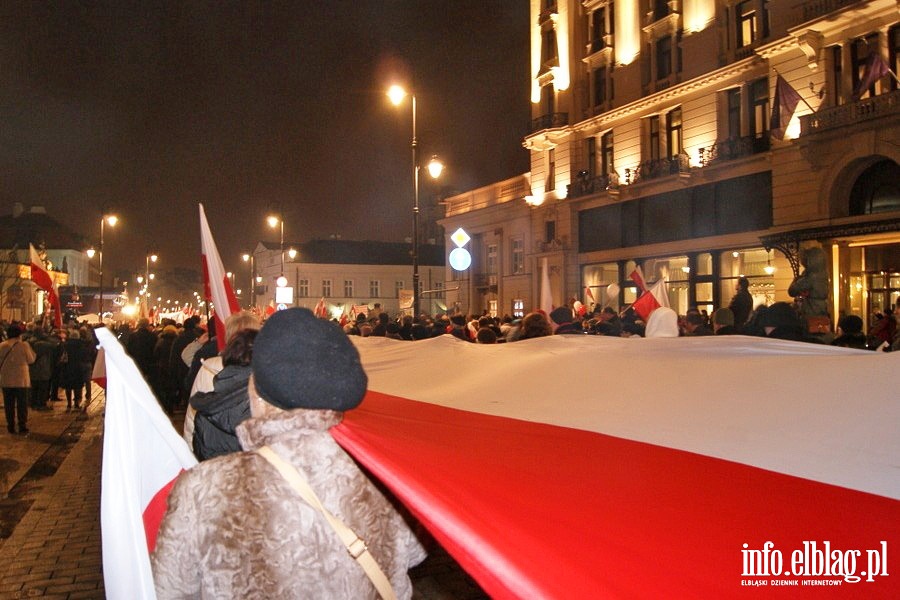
817,8
585,184
485,281
733,148
850,114
680,164
549,121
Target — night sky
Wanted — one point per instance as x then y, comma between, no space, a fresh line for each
151,107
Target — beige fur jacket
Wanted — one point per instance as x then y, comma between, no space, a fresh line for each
236,529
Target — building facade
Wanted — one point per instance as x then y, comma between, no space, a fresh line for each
346,273
652,145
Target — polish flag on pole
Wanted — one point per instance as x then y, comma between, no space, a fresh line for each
215,281
142,457
655,297
638,277
41,278
588,294
320,310
98,374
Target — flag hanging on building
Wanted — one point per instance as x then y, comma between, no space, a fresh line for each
42,278
875,68
783,107
142,457
215,282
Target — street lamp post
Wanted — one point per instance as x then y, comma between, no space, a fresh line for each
247,257
112,220
151,257
278,221
396,94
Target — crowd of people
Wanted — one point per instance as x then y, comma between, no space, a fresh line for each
266,390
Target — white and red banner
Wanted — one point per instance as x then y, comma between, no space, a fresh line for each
142,456
42,278
215,281
687,476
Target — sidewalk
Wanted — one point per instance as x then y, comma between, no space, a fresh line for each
50,514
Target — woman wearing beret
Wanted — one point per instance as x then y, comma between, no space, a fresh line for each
235,528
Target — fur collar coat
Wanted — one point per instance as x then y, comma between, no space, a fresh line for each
236,529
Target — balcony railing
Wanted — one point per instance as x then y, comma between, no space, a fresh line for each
662,167
549,121
850,114
733,148
585,184
485,280
817,8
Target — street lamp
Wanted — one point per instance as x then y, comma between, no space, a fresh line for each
278,221
396,94
247,257
104,219
151,257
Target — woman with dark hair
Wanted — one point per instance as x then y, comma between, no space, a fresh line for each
221,410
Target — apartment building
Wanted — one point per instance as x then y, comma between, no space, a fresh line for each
652,145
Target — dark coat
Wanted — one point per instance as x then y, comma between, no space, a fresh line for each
741,305
220,411
77,369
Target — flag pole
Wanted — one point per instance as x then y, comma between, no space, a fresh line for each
808,105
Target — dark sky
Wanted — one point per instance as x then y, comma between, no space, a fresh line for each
150,107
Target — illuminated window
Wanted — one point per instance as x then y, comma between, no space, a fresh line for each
517,259
759,112
518,308
607,165
746,23
733,126
673,132
654,146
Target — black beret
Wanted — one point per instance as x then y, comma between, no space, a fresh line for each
301,361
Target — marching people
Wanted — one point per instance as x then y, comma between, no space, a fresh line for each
306,373
220,411
15,356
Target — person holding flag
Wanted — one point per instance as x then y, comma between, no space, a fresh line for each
42,278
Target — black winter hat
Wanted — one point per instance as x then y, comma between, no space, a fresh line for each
300,361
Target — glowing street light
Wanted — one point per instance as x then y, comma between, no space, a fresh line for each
397,94
105,218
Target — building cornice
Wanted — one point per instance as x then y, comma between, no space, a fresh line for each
672,93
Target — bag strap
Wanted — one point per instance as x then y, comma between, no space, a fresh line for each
355,545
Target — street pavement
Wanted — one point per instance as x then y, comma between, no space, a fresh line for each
50,514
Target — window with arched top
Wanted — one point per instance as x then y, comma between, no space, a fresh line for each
876,190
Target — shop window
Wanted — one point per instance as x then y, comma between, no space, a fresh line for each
518,308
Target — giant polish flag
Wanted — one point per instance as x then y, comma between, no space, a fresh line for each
215,281
142,456
41,277
682,468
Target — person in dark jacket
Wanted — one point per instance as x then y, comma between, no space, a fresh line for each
850,333
220,411
76,368
741,304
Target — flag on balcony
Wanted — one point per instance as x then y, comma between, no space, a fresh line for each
786,100
875,68
41,278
